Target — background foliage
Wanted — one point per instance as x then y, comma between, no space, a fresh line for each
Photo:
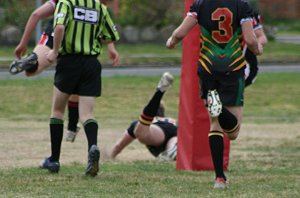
157,13
16,12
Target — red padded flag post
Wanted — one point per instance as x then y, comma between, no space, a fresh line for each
193,147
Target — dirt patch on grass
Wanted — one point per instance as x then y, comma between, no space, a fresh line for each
25,144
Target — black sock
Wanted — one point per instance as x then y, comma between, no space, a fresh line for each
150,110
32,68
216,144
32,63
91,131
73,116
56,135
227,121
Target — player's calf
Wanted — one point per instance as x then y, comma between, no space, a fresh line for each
229,123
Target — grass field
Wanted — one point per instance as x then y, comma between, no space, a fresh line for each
264,160
157,54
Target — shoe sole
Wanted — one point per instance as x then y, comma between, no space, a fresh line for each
94,156
15,68
68,139
214,104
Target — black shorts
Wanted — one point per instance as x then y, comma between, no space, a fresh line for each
169,130
230,86
253,70
78,74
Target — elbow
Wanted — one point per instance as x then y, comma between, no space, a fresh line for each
36,15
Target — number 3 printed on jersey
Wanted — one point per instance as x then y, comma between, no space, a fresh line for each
225,31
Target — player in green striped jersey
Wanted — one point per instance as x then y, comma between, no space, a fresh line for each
80,28
224,25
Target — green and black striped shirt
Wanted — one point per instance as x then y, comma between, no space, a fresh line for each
86,22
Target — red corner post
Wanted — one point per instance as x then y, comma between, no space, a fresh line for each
193,147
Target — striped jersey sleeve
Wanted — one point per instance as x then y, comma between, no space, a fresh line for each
109,31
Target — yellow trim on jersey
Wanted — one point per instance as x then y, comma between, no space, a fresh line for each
236,51
204,65
206,58
207,40
240,66
207,49
236,60
235,42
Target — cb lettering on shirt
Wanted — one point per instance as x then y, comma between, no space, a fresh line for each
85,15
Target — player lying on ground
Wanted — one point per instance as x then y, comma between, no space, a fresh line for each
156,132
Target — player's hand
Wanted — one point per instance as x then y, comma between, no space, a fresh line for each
20,50
115,57
52,56
260,49
113,54
170,44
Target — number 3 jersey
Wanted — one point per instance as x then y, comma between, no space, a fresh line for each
221,35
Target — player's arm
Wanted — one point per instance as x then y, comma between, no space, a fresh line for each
59,32
124,141
250,38
42,12
261,36
113,54
60,22
109,32
179,33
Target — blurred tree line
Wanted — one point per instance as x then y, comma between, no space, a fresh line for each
15,12
156,13
139,13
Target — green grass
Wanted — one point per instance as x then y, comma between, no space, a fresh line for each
285,26
273,97
156,54
152,179
276,52
257,170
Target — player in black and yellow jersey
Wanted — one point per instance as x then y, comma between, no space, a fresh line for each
221,66
80,28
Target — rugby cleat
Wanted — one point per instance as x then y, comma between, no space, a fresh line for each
168,155
71,135
27,63
214,104
93,161
220,183
165,82
52,167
